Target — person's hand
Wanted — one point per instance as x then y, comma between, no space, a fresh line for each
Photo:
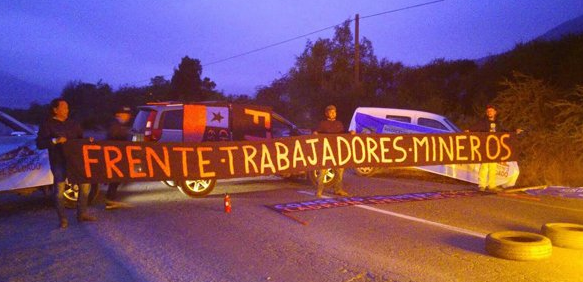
352,132
518,131
61,140
91,139
315,132
466,130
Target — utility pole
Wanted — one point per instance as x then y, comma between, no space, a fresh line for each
356,53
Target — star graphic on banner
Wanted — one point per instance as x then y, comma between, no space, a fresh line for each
217,116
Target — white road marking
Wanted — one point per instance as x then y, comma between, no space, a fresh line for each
543,205
444,226
420,220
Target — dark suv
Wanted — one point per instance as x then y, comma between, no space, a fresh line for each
209,121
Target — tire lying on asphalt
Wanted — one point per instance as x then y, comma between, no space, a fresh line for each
517,245
566,235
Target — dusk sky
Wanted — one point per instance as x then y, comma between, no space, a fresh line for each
127,42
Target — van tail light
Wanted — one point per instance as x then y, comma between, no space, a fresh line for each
156,134
151,134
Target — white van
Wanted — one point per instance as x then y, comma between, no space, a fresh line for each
400,121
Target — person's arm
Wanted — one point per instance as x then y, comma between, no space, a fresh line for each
78,131
318,129
43,138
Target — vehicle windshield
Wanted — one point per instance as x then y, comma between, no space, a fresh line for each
11,127
455,128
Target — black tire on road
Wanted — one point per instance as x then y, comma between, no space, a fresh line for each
71,194
565,235
518,245
197,188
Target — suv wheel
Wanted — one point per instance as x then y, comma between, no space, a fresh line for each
197,188
71,194
329,179
364,171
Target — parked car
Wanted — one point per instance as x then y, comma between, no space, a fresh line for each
211,122
402,121
23,167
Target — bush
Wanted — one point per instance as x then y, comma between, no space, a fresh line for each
550,150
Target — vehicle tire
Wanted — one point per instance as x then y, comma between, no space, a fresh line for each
71,194
365,170
170,183
517,245
329,180
197,188
565,235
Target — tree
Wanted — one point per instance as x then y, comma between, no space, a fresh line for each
550,150
91,104
159,89
186,84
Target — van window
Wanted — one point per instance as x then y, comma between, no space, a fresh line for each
279,128
431,123
172,119
399,118
5,130
455,128
141,120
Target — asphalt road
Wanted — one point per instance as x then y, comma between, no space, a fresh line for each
169,237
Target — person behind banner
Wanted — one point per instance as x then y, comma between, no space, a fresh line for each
53,134
328,126
118,131
487,172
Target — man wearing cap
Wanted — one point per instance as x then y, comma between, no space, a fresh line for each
487,172
119,131
330,125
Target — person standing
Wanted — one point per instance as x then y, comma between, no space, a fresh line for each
118,131
53,134
487,172
328,126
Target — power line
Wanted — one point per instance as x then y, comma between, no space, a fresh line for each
317,31
401,9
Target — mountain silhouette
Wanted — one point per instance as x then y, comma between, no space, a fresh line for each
571,27
18,94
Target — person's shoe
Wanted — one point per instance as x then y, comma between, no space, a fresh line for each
496,189
342,193
86,217
64,223
110,205
480,188
319,194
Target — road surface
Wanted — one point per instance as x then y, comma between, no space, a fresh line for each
169,237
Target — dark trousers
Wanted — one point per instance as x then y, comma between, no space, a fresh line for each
112,191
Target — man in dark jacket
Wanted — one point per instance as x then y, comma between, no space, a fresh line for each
330,125
53,134
119,131
487,172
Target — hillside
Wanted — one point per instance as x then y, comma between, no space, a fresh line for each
572,27
18,94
